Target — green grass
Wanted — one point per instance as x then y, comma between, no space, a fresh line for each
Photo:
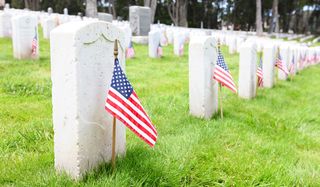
272,140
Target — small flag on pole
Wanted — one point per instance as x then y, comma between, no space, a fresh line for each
260,74
281,65
130,51
292,66
123,103
34,45
181,49
159,51
222,74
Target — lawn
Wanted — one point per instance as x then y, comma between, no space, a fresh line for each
272,140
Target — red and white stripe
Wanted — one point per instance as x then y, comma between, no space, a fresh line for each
160,51
260,77
131,113
280,64
225,78
34,46
130,52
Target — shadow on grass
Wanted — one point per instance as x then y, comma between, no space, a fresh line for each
138,164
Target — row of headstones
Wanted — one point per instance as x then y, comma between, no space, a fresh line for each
22,27
203,89
161,35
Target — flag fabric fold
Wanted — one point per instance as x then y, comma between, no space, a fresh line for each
34,45
130,51
123,103
222,74
292,66
281,65
260,74
159,51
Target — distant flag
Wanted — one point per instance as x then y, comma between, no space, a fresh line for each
159,51
123,103
181,49
281,65
260,74
222,74
130,51
34,45
292,66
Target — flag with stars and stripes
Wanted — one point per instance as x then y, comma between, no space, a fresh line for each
34,45
292,66
281,65
181,49
123,103
260,74
130,51
222,74
159,51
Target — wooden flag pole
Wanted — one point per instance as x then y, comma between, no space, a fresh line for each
220,89
114,127
260,56
277,69
113,156
221,97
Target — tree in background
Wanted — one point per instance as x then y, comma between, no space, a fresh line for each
178,12
258,18
152,4
91,8
299,16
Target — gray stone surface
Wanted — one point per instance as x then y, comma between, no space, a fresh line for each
140,20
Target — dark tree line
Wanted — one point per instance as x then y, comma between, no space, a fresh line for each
300,16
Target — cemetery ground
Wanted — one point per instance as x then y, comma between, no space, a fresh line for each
272,140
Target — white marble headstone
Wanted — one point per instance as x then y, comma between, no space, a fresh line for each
153,43
5,24
248,70
82,63
203,89
24,30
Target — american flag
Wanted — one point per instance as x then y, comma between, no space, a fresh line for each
260,74
292,66
34,44
222,74
281,65
130,51
160,51
181,49
123,103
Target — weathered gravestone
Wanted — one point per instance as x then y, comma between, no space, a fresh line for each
269,58
105,17
284,53
65,11
153,44
140,20
48,25
5,24
50,10
232,44
24,31
81,72
248,70
203,89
